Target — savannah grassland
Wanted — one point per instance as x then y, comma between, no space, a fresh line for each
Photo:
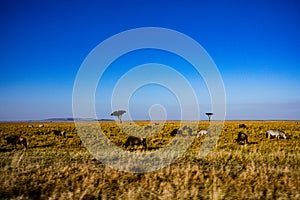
61,168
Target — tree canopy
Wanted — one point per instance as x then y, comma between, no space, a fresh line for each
118,114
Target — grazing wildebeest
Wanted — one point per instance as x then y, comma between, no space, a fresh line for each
14,140
135,141
189,131
59,133
175,132
275,134
242,138
242,126
203,132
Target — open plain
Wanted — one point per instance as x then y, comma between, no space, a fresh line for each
60,167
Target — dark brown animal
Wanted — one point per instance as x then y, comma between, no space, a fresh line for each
59,133
135,141
174,132
14,140
242,138
179,132
242,126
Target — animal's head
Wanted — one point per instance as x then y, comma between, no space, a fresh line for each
23,141
144,142
267,134
124,146
283,136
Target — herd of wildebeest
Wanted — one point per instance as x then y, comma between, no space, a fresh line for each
15,140
133,141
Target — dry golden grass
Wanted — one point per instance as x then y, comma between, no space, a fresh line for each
61,168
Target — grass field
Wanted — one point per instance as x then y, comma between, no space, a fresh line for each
54,167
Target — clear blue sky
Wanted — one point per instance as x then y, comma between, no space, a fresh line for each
255,44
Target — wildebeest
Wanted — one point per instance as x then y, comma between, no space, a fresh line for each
59,133
135,141
175,132
189,131
242,138
203,132
14,140
275,134
242,126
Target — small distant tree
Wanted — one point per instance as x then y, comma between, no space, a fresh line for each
209,115
118,114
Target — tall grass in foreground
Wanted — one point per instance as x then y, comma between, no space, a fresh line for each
61,168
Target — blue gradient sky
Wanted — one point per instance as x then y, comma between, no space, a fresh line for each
255,44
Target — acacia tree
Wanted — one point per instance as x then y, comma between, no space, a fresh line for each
209,115
118,114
